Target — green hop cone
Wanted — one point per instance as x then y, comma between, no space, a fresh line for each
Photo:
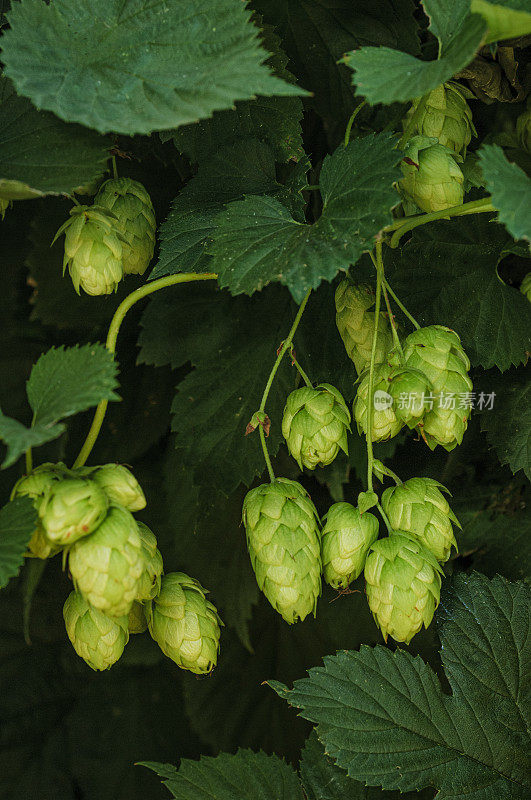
444,115
72,508
403,585
355,324
418,506
315,425
107,566
281,525
431,176
385,423
93,250
132,205
136,619
120,486
437,352
97,639
345,541
409,388
185,625
37,485
149,585
525,286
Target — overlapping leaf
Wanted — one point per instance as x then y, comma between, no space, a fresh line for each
508,423
17,523
505,18
510,189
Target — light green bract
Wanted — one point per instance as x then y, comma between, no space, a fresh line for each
355,324
403,585
149,585
37,485
132,205
409,388
4,205
315,425
431,177
185,625
107,566
281,524
120,486
444,115
72,508
93,250
419,507
385,423
97,638
345,541
525,286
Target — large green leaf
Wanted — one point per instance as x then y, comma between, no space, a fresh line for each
508,423
505,18
384,718
18,438
510,189
17,523
257,240
383,75
134,67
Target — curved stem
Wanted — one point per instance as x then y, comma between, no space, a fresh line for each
110,344
392,321
385,518
401,306
296,364
266,454
351,121
114,167
379,276
409,223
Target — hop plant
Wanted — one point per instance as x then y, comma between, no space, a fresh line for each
431,176
149,585
445,115
403,585
97,638
355,324
281,525
418,506
136,619
120,486
315,425
107,566
409,389
72,508
185,625
437,352
345,541
132,205
525,286
36,485
93,250
385,423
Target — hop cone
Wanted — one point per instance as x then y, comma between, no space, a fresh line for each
149,585
93,250
385,423
36,485
345,541
315,425
419,507
136,620
106,567
72,508
430,175
120,486
409,388
97,638
185,625
356,325
446,116
437,352
283,542
132,205
403,585
525,286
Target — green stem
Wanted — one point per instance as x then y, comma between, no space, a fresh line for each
392,321
412,122
401,306
351,121
114,327
385,518
114,167
266,454
379,276
302,373
29,461
409,223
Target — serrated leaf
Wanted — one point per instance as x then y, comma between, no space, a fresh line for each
65,381
508,424
505,18
257,241
383,75
446,274
132,67
510,189
17,523
384,718
18,438
231,777
40,154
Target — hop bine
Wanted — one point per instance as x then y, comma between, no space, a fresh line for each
444,115
185,625
345,541
431,177
419,507
315,425
97,639
385,423
355,324
403,585
281,525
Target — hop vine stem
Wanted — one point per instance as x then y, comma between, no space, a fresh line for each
402,226
379,278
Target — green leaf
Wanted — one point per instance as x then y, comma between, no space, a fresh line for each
447,273
510,189
258,241
505,18
383,75
384,718
65,381
39,154
231,777
18,438
17,523
133,67
508,424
